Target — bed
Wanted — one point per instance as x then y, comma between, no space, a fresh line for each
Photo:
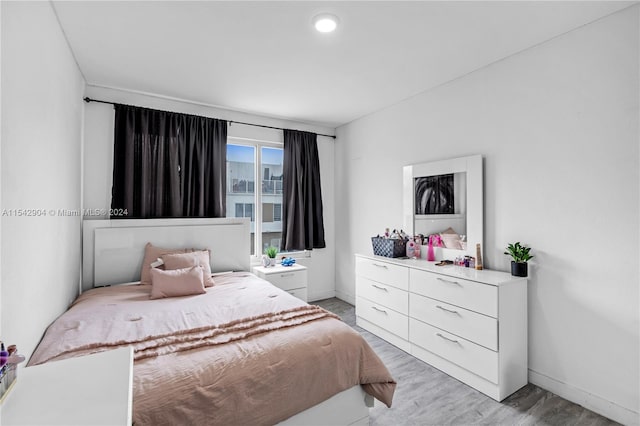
243,352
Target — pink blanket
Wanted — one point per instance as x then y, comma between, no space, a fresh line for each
245,352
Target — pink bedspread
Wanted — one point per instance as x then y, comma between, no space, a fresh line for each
244,353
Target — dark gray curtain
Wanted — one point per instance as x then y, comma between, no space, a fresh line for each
167,164
302,223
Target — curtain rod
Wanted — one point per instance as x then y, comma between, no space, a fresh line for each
88,99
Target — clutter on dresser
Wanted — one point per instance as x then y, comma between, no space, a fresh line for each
9,360
478,264
466,262
435,240
418,239
434,247
411,248
390,244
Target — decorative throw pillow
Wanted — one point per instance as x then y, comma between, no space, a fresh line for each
185,260
177,282
151,254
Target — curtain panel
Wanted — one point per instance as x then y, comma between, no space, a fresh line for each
302,221
167,164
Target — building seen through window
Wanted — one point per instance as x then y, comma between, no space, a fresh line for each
243,163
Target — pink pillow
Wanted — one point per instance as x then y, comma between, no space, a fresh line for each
185,260
450,239
177,282
151,254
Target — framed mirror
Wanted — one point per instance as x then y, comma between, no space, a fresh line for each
446,197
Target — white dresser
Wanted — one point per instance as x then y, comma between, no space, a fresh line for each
292,279
470,324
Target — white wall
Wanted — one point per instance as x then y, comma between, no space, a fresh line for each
557,125
42,116
98,163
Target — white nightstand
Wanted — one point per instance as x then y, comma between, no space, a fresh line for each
88,390
292,279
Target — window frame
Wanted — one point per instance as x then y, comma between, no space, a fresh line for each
257,193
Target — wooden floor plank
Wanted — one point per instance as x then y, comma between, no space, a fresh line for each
427,396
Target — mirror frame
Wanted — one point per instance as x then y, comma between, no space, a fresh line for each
472,166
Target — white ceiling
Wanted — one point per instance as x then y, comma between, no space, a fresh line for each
264,57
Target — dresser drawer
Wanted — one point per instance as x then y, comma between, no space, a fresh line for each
300,293
477,297
474,358
288,280
383,317
383,272
475,327
386,295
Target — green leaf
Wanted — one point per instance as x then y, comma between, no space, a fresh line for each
519,252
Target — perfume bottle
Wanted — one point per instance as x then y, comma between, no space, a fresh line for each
431,255
411,248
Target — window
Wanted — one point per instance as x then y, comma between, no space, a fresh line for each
246,162
244,210
242,186
277,212
271,212
248,211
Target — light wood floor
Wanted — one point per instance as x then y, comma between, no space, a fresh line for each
427,396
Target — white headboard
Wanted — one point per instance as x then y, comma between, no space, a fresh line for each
113,249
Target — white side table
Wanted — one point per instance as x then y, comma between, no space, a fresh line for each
89,390
292,279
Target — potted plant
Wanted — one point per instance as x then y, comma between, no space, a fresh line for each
271,253
521,256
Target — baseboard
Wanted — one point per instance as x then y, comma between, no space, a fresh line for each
321,296
349,298
588,400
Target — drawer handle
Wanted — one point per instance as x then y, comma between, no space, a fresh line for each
447,310
449,282
286,275
380,266
379,288
380,310
446,338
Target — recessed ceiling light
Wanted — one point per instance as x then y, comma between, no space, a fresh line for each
325,22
